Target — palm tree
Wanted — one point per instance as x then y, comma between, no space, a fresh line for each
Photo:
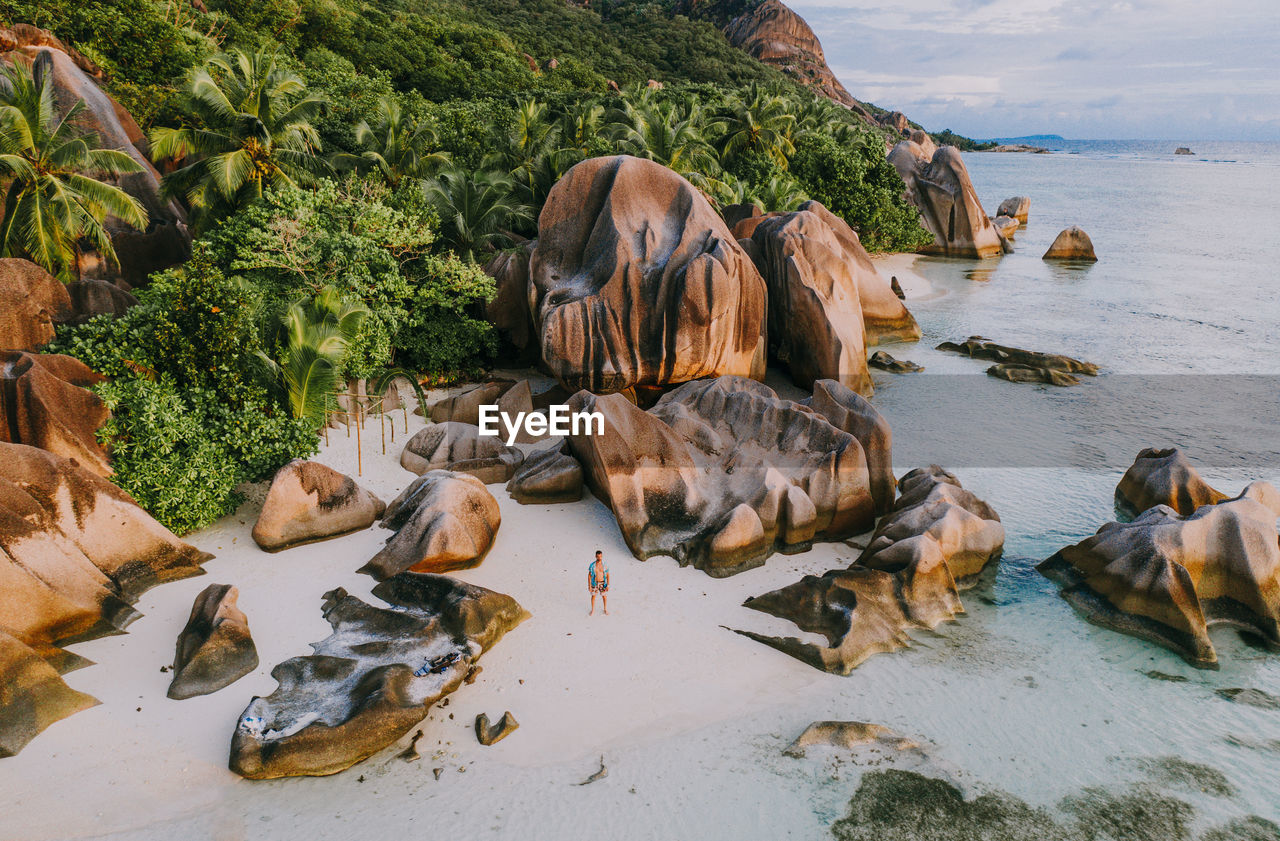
476,210
53,201
531,135
255,131
315,334
758,123
673,133
396,145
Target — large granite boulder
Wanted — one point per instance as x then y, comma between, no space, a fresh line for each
1166,577
508,310
1072,244
940,188
166,241
31,302
636,281
546,477
722,473
1163,477
853,413
460,447
90,298
45,402
936,541
215,648
1016,207
32,695
308,501
373,679
443,521
1007,226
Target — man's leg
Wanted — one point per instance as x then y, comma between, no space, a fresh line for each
593,603
604,597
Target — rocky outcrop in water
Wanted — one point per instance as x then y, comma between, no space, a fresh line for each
1072,244
976,347
636,281
215,649
1166,577
77,553
1017,207
886,362
546,477
1015,372
443,521
308,501
722,473
936,541
1006,226
1163,477
938,185
45,402
31,302
461,448
373,679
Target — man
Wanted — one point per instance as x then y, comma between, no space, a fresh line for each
598,583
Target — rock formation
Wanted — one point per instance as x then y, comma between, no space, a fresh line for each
488,734
443,521
1163,477
215,648
977,347
852,413
460,447
31,302
1017,207
373,679
90,298
77,552
1006,226
166,241
886,362
897,121
777,36
721,473
45,402
1166,577
309,501
732,214
1018,373
1072,244
636,281
939,186
546,477
848,735
509,308
937,540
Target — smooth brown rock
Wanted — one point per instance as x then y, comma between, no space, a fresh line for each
45,402
735,213
1163,477
922,138
31,302
885,362
848,735
636,281
489,734
443,521
464,407
939,186
90,298
1016,372
721,473
853,413
32,695
897,121
308,501
980,348
360,690
509,308
1166,577
215,648
1017,207
546,477
1007,226
1072,244
460,447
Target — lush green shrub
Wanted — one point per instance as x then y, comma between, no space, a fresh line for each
856,182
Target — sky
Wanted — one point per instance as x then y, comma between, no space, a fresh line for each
1089,69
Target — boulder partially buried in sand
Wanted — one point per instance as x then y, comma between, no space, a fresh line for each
308,502
1072,244
490,734
215,649
45,402
722,473
636,281
848,735
937,540
1166,577
1163,477
939,186
443,521
461,448
373,679
547,476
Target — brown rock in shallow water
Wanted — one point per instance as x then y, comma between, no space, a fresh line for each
1006,225
939,186
1017,207
32,695
46,402
637,282
1018,373
309,501
979,348
215,648
1163,477
373,679
443,521
1166,578
460,447
31,302
1072,244
885,362
489,734
545,477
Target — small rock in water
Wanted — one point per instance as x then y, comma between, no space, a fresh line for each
1016,373
885,362
1155,675
1183,150
1251,697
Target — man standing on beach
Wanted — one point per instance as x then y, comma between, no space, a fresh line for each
598,582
